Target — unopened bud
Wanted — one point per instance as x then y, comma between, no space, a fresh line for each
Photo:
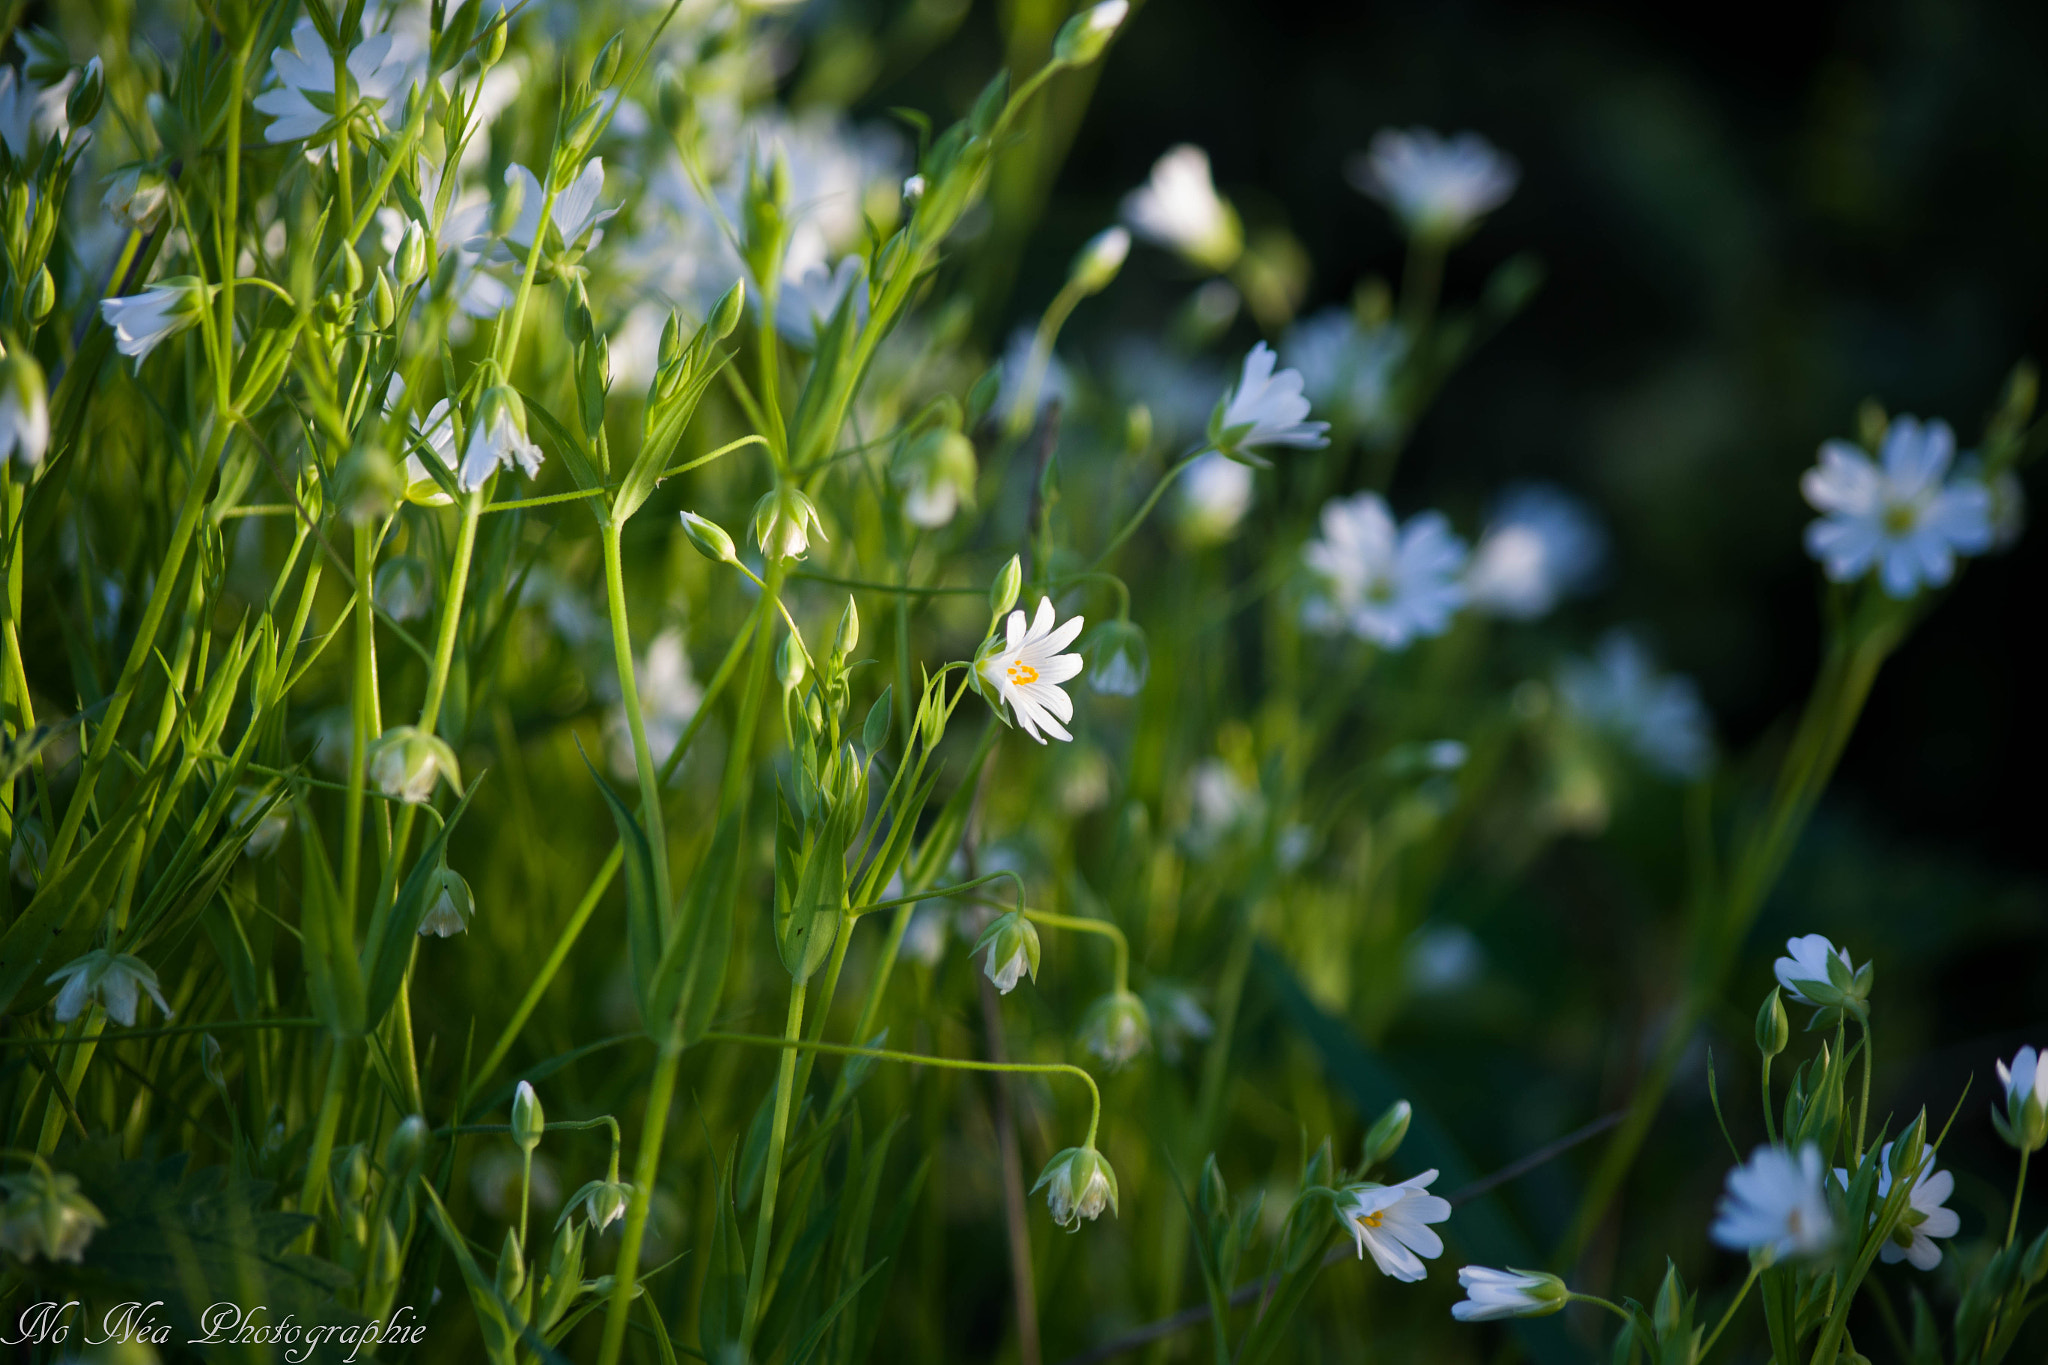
351,269
411,260
1098,262
710,539
847,638
386,310
1002,594
671,348
789,664
84,102
1082,38
605,69
405,1147
494,43
726,316
1773,1027
1383,1139
511,1276
528,1119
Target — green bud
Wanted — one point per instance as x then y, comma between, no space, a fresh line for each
1670,1305
511,1267
386,310
1773,1027
1078,1184
84,102
726,316
493,50
355,1174
580,134
1082,38
1384,1138
1009,582
405,1148
367,482
1117,1028
847,638
411,259
605,69
1012,946
528,1119
709,538
789,664
351,266
1097,263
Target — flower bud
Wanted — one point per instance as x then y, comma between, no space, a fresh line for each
385,310
1773,1027
726,316
24,408
351,266
789,664
1078,1184
709,538
2034,1265
847,637
1383,1139
210,1062
1082,38
528,1119
913,190
1012,946
355,1174
511,1276
84,102
408,761
605,69
452,905
1117,1028
405,1148
42,295
410,260
1009,582
1097,263
367,482
784,521
601,1202
493,50
1495,1294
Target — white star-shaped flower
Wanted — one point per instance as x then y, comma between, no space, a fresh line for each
1391,1222
575,211
112,979
1382,582
1925,1217
1900,514
381,67
1267,408
1027,672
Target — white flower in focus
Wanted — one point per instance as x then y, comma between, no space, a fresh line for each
112,980
809,299
142,321
382,69
497,439
575,210
24,409
1924,1217
1027,671
454,906
1011,945
1391,1222
669,697
784,522
1659,716
1178,208
1438,187
1491,1295
1807,965
2026,1080
1215,493
1774,1202
29,115
1384,583
1541,547
1265,409
1900,514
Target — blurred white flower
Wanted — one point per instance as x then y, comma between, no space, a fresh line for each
1925,1216
1659,716
31,115
1117,1028
495,1176
1055,381
143,321
574,213
810,298
113,980
497,439
1438,187
936,472
45,1215
1178,208
1387,584
1901,514
784,522
1265,409
669,697
1181,1020
1215,493
1443,957
477,292
1026,672
924,938
1391,1222
402,588
1348,369
2026,1080
1541,546
271,828
1774,1202
24,409
1491,1295
383,68
1220,804
136,198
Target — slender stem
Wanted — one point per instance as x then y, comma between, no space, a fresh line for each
1609,1305
1770,1123
525,1196
646,1167
2012,1224
1755,1269
629,698
771,1178
315,1185
1025,405
938,892
363,718
1863,1103
1081,924
1145,510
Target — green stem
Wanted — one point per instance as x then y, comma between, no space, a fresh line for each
1770,1122
2012,1224
1609,1305
647,1166
315,1184
629,698
1081,924
1863,1103
771,1178
1024,407
1722,1325
363,718
1138,519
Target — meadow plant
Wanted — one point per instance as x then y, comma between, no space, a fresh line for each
525,595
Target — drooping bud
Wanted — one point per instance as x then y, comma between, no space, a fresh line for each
784,522
406,762
1117,1028
136,197
1121,660
367,482
453,905
1078,1184
1011,943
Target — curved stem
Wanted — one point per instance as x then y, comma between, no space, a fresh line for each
1145,510
938,892
725,449
1081,924
629,698
1608,1304
1719,1327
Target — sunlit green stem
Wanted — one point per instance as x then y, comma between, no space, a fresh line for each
1080,924
364,720
629,698
1608,1304
1024,407
771,1178
1145,510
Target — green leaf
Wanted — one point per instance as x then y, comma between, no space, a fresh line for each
581,467
327,933
390,945
723,1307
874,733
805,933
494,1317
644,930
19,752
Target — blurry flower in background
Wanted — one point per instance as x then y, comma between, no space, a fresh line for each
1901,514
808,300
936,472
1178,1019
1055,383
1121,660
403,588
477,292
141,322
45,1215
669,697
114,981
1384,583
1390,1221
1221,805
495,1175
1443,957
1659,716
30,115
1178,208
1215,493
1117,1028
1774,1202
2008,500
382,69
1438,187
1348,369
24,409
136,197
924,938
1541,546
1264,409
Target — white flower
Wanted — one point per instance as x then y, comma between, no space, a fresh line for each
601,1202
810,298
1220,804
1011,948
497,438
669,697
46,1216
454,906
1081,1185
1924,1217
1178,208
1096,264
1348,368
1541,546
136,199
1265,409
784,522
436,436
1774,1202
405,762
1387,584
575,210
1390,1221
2026,1080
1902,514
24,409
1494,1294
1028,670
382,68
477,292
142,321
1659,716
1807,964
29,116
1438,187
936,472
1117,1028
111,979
1444,957
924,938
1215,493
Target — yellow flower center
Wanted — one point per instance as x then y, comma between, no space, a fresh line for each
1372,1220
1023,673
